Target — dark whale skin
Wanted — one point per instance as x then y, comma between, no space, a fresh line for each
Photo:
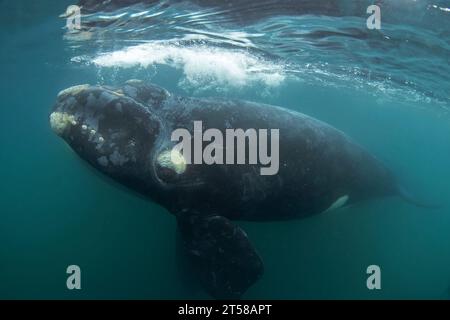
122,131
318,164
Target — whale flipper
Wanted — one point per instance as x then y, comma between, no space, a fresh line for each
221,253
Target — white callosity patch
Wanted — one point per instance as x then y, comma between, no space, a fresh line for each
134,81
202,65
73,90
61,121
173,160
339,203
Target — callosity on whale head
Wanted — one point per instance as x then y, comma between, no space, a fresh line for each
112,131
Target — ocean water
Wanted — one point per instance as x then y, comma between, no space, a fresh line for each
387,88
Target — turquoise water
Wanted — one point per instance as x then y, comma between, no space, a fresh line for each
387,89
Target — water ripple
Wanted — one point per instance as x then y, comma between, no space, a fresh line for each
269,42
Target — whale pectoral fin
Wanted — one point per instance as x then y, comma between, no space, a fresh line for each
221,253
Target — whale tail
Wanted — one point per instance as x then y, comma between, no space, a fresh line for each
406,195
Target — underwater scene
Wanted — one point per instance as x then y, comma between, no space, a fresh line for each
234,149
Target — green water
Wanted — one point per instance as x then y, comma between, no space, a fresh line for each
55,211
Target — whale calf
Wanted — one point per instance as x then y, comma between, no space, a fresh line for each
125,132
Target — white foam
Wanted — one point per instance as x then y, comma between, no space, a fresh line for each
201,64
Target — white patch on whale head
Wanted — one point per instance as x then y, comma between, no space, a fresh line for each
73,90
134,81
173,160
339,203
60,121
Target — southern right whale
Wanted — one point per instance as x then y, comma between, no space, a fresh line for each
125,132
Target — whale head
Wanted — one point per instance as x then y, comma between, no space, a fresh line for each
113,131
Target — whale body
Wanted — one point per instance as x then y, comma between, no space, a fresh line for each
126,133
